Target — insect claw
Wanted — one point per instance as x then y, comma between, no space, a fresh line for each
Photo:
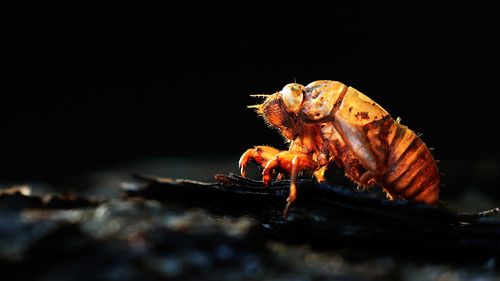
289,203
266,179
268,169
242,171
287,210
243,162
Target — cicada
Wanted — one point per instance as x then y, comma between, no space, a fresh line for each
328,122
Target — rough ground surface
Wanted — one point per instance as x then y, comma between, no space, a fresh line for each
162,229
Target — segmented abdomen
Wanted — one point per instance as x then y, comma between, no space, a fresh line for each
410,171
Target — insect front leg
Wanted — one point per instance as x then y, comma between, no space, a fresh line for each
259,154
292,163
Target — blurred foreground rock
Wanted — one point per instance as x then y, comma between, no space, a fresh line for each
164,229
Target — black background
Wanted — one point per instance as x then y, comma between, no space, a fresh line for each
87,85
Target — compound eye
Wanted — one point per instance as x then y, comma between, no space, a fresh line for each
292,95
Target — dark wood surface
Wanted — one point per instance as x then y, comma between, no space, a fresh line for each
326,215
233,229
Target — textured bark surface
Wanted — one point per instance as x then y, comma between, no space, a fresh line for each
232,229
328,216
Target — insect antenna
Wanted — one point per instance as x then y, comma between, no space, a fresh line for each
260,96
254,106
258,107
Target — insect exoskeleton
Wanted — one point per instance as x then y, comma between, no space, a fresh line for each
327,121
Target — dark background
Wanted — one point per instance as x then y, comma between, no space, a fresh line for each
87,85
